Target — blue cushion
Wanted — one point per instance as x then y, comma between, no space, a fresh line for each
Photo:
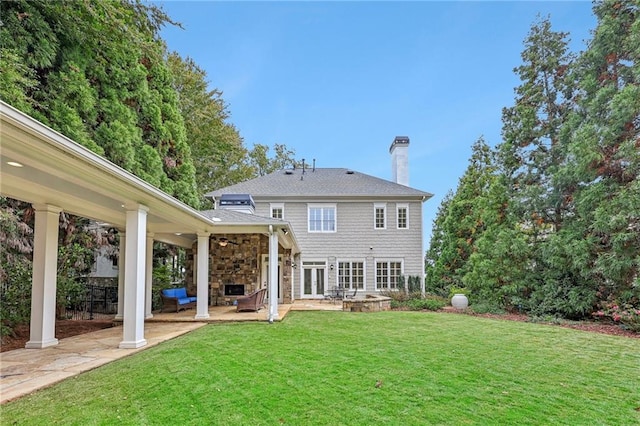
180,293
184,300
193,298
169,292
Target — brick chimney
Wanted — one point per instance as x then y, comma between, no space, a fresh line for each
399,151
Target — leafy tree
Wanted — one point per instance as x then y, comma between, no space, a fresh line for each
261,164
16,247
217,149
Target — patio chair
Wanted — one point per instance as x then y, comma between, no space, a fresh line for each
348,294
252,302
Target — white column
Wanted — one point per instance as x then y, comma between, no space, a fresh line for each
273,275
202,276
134,279
44,278
121,262
148,277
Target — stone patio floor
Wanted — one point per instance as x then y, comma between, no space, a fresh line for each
24,371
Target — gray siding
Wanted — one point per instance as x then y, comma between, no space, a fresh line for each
356,239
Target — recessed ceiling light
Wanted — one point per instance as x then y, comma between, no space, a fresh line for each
14,164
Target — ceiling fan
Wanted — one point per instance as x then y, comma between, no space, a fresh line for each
223,242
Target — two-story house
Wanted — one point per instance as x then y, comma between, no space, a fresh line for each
353,230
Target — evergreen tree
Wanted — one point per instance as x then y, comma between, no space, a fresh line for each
434,270
461,224
605,154
499,268
532,140
96,72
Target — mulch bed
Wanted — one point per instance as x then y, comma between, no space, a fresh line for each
68,328
590,326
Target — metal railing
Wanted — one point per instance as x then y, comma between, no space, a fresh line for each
96,302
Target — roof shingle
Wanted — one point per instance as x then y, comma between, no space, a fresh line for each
321,182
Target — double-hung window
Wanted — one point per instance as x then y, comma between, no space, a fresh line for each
351,275
277,210
402,213
388,274
379,216
322,217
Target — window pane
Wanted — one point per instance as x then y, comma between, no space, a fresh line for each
322,219
379,217
357,271
402,217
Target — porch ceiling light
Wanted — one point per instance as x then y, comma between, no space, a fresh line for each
14,164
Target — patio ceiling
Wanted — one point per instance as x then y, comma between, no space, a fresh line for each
49,168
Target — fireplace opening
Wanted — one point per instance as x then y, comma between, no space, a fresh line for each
234,290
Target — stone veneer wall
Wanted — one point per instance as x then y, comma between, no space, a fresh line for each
239,264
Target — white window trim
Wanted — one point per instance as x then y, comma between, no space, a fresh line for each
318,206
364,271
375,271
398,207
382,206
273,206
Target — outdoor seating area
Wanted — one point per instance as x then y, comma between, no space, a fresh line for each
340,293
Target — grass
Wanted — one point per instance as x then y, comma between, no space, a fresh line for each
321,368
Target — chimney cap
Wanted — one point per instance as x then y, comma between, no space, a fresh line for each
399,140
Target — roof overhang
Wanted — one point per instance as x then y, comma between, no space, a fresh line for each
56,170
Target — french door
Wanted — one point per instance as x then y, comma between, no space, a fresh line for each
313,279
265,276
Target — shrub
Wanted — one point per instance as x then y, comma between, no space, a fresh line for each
625,315
458,290
425,304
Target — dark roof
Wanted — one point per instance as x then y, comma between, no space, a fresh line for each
323,182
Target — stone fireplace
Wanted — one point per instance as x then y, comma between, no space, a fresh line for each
238,263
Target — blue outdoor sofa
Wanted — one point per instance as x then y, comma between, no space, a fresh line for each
174,299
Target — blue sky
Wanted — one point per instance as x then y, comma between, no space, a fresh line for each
337,81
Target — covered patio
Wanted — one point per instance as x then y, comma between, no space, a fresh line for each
40,166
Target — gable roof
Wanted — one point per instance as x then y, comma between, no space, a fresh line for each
322,183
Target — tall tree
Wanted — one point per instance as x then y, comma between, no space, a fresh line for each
605,149
96,72
219,157
532,144
462,224
435,270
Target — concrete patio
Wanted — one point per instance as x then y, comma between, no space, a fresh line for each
24,371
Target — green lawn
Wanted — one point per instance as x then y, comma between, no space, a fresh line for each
322,368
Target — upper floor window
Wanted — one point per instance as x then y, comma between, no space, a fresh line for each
351,275
277,210
403,216
322,218
379,216
388,274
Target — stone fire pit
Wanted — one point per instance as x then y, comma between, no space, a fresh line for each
370,303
